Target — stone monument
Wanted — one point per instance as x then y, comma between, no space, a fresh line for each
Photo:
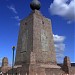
35,47
4,61
67,65
5,67
35,38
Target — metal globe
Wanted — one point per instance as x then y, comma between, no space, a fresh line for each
35,4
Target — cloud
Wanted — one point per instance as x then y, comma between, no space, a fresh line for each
63,8
0,61
69,22
58,38
12,8
59,47
17,18
18,24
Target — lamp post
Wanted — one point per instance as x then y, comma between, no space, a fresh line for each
13,49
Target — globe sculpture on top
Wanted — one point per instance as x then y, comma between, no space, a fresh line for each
35,5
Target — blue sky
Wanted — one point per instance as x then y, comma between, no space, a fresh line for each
61,13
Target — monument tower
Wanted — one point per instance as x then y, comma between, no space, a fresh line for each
35,47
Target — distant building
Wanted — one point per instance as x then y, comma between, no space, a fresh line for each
35,53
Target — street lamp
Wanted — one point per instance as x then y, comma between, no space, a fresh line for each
13,49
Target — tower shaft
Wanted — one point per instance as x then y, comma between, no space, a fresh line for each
35,36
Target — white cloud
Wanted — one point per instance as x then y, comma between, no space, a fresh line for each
58,38
69,22
17,18
59,47
12,8
63,9
0,61
18,24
